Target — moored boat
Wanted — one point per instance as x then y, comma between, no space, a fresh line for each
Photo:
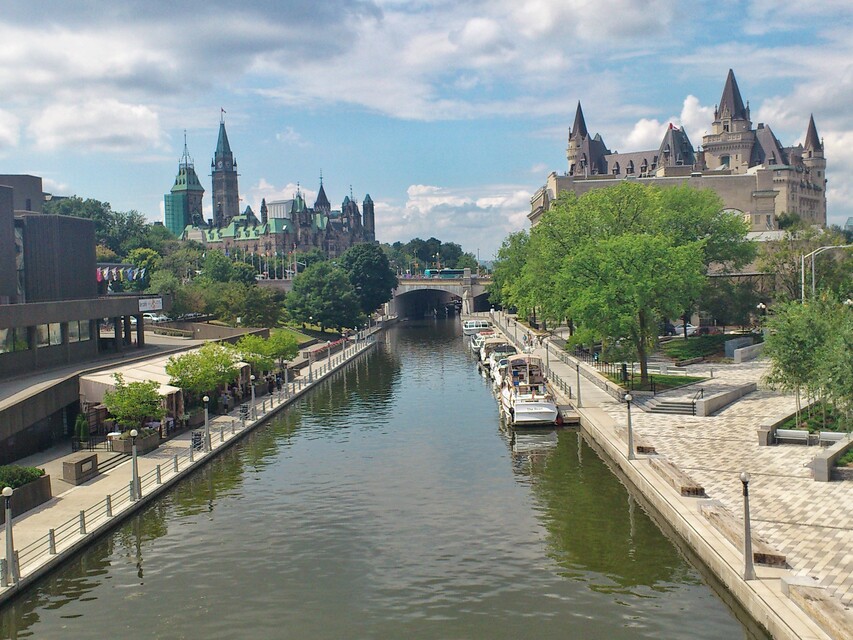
524,395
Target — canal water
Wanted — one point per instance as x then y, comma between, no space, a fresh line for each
388,503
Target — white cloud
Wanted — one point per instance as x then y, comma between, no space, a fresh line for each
291,137
100,125
476,218
9,130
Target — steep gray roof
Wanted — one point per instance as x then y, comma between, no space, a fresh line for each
731,100
812,141
767,149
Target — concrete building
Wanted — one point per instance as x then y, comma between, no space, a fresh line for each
51,313
748,167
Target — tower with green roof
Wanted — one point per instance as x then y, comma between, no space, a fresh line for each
226,195
183,203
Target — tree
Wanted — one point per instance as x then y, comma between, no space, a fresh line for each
836,361
143,258
282,346
217,267
795,344
262,307
368,270
507,270
255,350
620,258
133,402
201,371
324,295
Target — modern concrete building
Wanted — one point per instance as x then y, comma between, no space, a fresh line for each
748,167
51,314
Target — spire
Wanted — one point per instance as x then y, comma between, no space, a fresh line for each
222,146
731,99
812,140
579,127
322,202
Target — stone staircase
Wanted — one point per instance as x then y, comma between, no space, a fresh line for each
671,407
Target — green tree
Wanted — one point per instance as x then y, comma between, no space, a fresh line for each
282,346
203,370
836,361
508,268
324,295
255,350
217,267
368,270
133,402
262,307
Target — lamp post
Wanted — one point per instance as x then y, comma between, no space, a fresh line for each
206,424
136,494
578,371
628,398
254,408
749,567
329,356
11,573
813,255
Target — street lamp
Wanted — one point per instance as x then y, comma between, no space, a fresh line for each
136,494
628,398
749,567
252,385
329,357
11,573
813,255
207,446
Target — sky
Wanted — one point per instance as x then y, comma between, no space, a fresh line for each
449,113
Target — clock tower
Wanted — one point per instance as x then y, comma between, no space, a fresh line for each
226,196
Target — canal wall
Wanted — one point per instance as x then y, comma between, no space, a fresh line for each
51,534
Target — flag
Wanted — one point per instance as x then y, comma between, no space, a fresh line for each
99,276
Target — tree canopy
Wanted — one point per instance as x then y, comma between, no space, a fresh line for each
132,402
324,295
371,276
619,259
202,370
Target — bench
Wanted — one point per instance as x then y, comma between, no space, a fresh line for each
831,437
832,616
798,435
684,484
732,528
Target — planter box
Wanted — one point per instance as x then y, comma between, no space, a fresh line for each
144,444
29,497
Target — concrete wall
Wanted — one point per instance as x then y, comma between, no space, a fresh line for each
709,406
29,195
8,276
745,354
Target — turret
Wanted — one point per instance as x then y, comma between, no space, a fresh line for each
369,220
226,195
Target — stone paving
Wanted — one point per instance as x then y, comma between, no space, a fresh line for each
810,522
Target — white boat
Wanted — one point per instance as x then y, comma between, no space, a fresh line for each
498,355
478,339
525,399
490,345
470,327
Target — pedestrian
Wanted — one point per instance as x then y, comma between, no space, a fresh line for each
278,382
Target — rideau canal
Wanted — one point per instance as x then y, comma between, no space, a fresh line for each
388,503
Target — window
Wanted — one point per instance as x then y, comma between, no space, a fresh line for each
48,335
73,331
85,330
13,339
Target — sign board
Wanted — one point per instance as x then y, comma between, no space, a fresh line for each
151,304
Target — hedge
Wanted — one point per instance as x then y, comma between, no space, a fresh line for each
15,476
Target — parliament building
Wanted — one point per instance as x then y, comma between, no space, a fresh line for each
279,228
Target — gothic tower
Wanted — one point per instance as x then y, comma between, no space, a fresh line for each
226,196
183,204
815,164
322,203
732,137
369,221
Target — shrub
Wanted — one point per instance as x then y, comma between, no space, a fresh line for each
15,476
142,433
81,428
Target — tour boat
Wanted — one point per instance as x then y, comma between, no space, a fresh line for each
470,327
525,399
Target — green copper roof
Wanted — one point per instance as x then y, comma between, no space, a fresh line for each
222,146
187,179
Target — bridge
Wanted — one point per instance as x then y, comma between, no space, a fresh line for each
418,296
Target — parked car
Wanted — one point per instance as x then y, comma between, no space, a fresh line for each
691,330
155,317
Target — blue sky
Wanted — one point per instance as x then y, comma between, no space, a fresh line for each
450,114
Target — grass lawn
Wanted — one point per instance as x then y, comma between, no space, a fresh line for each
661,383
699,346
300,336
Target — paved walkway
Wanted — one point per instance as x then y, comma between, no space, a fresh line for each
810,522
